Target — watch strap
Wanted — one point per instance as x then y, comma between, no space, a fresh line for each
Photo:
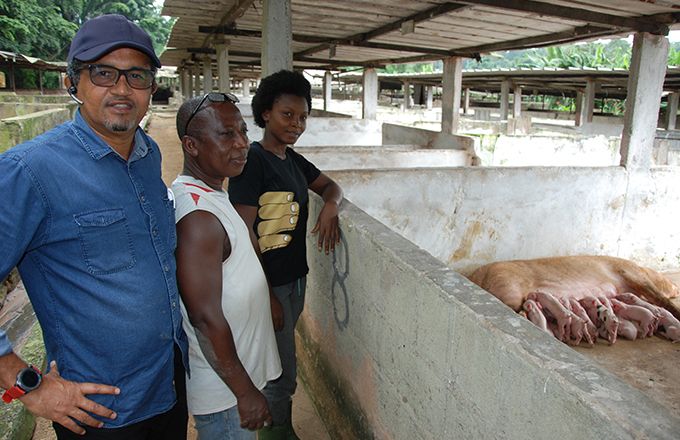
17,391
13,393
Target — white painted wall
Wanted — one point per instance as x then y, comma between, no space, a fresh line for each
395,345
467,217
330,131
359,158
555,150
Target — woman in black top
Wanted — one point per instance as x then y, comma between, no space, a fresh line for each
271,197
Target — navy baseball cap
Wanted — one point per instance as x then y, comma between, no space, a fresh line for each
101,35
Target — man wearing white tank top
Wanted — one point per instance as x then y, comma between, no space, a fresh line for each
225,298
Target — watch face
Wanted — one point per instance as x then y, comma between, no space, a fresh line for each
29,379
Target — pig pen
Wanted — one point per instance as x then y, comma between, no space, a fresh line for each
396,343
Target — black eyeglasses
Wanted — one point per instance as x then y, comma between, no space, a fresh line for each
107,76
212,97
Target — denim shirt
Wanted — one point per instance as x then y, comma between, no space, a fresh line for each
94,238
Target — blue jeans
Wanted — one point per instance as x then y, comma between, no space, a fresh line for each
279,392
223,425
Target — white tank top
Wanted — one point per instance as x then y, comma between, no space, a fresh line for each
245,304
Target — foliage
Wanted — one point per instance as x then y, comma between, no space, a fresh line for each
674,55
409,68
611,54
44,28
34,27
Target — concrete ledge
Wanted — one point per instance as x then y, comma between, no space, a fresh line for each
16,423
401,134
330,131
396,345
359,158
35,98
18,129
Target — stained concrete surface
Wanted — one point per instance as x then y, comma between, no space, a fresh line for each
650,365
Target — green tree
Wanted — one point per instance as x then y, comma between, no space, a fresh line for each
34,27
44,28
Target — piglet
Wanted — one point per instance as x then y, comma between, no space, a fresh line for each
535,315
609,322
641,315
669,326
591,329
634,300
672,332
627,329
556,309
604,318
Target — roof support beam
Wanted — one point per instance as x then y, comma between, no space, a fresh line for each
327,41
256,55
428,14
542,40
553,10
236,12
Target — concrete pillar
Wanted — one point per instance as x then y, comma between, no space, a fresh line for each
327,89
452,88
207,76
369,94
185,83
418,97
197,80
245,88
505,98
277,36
466,101
578,112
517,102
406,89
222,49
589,101
672,110
645,84
428,100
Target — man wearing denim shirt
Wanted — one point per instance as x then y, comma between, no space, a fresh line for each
90,224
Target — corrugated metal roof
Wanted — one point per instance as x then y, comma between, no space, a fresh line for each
30,62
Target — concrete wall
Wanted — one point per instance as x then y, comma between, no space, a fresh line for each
667,147
18,320
18,129
35,98
358,158
8,110
395,345
549,150
330,131
393,134
467,217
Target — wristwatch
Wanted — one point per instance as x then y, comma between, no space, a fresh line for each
28,379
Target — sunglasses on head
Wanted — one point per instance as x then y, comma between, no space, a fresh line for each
212,97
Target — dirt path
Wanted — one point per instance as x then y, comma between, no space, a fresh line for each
162,129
